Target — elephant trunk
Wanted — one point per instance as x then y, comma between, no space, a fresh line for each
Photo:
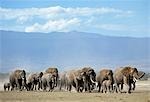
141,75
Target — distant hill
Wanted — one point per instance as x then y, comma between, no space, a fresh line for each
37,51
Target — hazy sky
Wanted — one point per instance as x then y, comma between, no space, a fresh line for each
107,17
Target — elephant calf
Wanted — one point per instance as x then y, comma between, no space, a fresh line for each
6,86
107,86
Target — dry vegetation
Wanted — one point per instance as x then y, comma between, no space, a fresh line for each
142,94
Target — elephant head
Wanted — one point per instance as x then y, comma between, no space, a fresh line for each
130,72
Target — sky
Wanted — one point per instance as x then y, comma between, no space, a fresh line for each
108,17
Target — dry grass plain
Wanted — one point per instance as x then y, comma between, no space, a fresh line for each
141,94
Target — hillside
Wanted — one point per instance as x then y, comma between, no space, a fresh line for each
37,51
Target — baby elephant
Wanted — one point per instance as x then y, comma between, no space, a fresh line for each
6,86
107,85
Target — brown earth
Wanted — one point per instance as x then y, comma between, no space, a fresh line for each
141,94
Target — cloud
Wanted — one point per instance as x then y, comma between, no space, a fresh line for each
56,11
22,19
59,18
54,25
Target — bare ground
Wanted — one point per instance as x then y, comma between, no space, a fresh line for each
141,94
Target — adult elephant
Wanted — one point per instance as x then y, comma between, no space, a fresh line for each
47,81
125,75
54,72
104,74
34,80
133,80
75,78
17,79
90,78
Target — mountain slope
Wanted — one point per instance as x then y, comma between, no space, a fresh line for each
37,51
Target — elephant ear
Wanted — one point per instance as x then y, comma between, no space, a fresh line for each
40,74
109,72
126,71
24,73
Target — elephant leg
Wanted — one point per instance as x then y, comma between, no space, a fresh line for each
69,87
60,85
128,84
35,86
89,87
8,88
49,86
99,87
38,85
12,87
117,88
32,86
133,86
18,86
128,88
106,89
121,86
85,86
111,88
4,88
102,89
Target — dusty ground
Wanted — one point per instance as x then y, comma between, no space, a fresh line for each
142,94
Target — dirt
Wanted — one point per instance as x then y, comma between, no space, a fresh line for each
141,94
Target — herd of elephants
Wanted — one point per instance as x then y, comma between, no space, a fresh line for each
83,80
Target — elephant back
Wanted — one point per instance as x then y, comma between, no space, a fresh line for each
47,76
73,74
18,74
32,77
88,71
103,75
53,71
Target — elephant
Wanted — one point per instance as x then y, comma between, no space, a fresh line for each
18,79
75,78
133,80
90,78
62,81
53,71
6,86
125,75
48,80
107,86
34,80
104,74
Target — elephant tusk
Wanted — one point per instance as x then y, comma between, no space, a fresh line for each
96,83
134,79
